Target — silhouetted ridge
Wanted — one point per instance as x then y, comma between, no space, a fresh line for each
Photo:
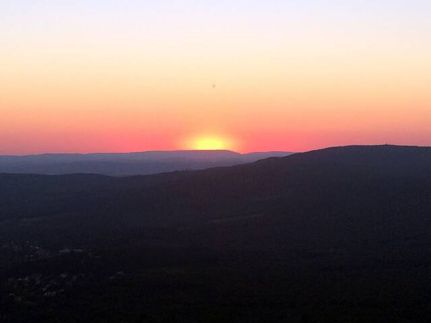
338,235
123,164
402,159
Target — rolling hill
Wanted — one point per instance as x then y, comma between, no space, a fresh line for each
333,235
123,164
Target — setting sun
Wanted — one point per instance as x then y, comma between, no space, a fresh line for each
210,143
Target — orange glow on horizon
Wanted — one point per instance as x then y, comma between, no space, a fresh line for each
210,142
118,76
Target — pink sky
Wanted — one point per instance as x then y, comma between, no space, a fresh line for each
272,75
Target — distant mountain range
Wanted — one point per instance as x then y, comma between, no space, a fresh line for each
122,164
334,235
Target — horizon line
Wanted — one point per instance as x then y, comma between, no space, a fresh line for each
205,151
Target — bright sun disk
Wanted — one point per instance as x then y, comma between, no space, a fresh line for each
210,143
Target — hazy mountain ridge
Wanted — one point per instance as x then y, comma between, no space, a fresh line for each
123,164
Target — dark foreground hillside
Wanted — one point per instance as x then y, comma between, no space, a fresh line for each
336,235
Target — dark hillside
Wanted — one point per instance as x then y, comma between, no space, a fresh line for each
334,235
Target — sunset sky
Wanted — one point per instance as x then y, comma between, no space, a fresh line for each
247,75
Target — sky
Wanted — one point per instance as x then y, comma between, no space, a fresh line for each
247,75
